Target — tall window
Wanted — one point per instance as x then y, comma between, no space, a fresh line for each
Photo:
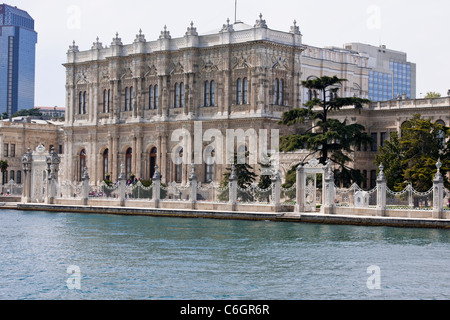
278,92
209,164
210,94
131,106
5,149
179,95
156,97
153,159
128,159
12,149
245,91
127,98
19,177
207,94
239,91
82,100
179,167
242,91
374,146
82,162
11,175
151,97
105,163
440,136
106,100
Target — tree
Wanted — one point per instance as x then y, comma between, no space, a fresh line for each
432,94
327,137
4,165
412,157
31,112
245,177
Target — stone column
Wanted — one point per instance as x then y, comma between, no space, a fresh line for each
300,189
26,167
438,193
276,191
122,184
85,188
328,190
156,188
51,188
232,189
193,187
381,193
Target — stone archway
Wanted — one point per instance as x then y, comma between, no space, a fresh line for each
308,193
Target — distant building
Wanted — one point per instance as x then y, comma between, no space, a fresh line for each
392,76
17,59
49,113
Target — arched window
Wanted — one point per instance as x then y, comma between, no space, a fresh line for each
245,91
153,161
239,91
11,175
82,163
19,177
105,164
128,161
127,98
151,99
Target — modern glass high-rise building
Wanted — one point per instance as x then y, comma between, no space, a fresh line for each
391,75
17,59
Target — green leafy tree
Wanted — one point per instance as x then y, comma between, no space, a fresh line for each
30,112
432,94
412,157
4,165
245,177
327,138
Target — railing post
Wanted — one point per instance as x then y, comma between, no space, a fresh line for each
276,191
381,192
122,185
26,166
300,189
193,187
51,190
156,187
85,187
438,193
328,199
232,189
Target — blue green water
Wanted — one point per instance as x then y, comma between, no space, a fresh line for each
126,257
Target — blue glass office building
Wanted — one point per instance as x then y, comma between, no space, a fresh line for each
17,59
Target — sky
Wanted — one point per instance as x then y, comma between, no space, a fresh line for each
418,28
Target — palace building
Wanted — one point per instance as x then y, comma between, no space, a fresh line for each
125,102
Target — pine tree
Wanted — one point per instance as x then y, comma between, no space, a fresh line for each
327,137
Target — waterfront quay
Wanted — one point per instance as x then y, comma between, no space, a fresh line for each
306,217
